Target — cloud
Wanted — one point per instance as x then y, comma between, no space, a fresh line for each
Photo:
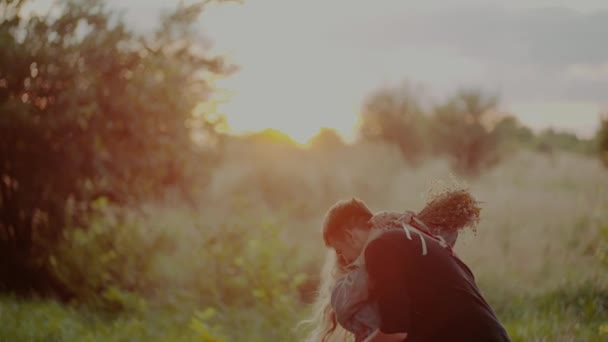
526,53
549,36
587,72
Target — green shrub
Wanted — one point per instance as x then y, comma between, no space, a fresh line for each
128,262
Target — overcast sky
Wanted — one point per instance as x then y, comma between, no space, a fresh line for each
309,63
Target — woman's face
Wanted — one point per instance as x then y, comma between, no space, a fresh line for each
349,247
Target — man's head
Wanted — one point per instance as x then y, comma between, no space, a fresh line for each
346,228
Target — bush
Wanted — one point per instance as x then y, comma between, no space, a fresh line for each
128,262
90,109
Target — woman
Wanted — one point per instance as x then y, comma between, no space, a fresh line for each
420,290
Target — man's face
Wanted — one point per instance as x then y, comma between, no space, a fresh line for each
349,247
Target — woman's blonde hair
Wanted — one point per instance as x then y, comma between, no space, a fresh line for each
323,320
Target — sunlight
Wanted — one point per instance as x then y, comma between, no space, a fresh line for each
267,92
252,108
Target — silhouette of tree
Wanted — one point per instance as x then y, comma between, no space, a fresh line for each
395,115
464,131
602,138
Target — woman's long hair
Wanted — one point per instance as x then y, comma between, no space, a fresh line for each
323,320
326,327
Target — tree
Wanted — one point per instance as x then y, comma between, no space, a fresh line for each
550,139
89,109
464,130
395,115
327,139
509,129
602,139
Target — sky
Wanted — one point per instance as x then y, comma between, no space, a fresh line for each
310,64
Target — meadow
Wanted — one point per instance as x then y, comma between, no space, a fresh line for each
243,266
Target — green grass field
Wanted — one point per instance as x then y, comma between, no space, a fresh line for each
537,254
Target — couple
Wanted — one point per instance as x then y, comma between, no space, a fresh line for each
391,277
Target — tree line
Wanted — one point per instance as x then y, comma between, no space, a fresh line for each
468,128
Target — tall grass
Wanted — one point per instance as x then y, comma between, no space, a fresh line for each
243,266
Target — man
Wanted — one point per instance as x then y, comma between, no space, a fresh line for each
421,290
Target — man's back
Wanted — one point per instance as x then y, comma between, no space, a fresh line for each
424,290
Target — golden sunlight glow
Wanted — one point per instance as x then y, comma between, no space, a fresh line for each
270,90
252,108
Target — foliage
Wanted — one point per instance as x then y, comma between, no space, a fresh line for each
463,131
513,133
602,140
395,115
602,251
466,128
89,110
551,140
126,263
327,139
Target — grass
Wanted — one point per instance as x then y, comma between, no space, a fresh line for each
39,320
535,255
567,314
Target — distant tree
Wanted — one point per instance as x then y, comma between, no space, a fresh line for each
395,115
89,109
602,138
464,130
270,136
510,130
327,139
563,141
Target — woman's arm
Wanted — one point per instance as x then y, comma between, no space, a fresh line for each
379,336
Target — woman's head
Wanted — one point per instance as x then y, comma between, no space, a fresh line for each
346,228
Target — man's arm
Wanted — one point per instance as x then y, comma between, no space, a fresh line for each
386,260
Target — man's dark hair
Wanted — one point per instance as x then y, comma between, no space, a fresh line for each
343,216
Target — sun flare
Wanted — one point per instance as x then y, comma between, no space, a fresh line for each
266,93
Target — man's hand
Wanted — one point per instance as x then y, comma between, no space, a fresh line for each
379,336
